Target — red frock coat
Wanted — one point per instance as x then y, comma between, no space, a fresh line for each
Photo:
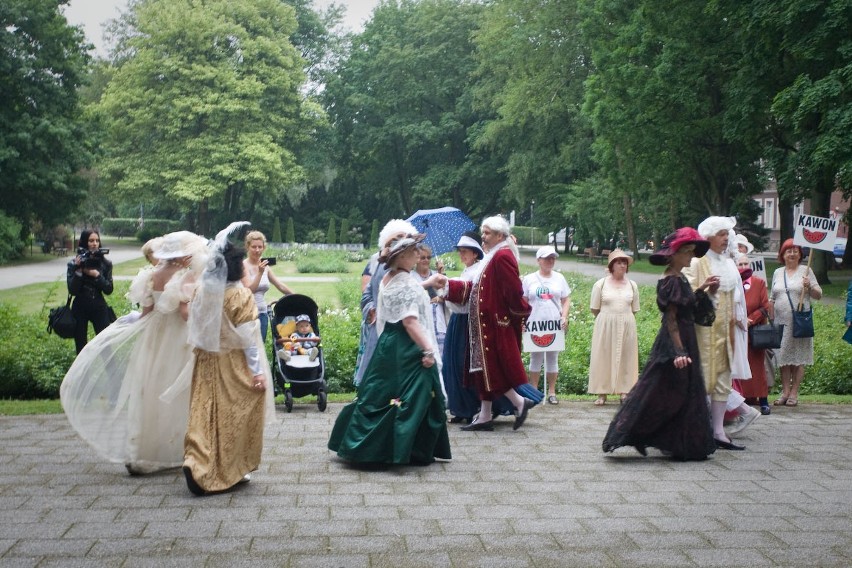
756,298
500,313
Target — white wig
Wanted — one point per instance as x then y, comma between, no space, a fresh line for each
395,227
741,239
497,224
712,225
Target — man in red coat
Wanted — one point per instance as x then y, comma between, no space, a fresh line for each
497,313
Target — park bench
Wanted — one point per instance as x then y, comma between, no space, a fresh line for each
602,256
59,249
587,255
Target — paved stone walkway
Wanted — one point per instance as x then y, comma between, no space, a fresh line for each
543,496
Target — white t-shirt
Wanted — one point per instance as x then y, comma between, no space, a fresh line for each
545,294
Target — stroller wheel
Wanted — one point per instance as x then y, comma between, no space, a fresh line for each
288,401
322,400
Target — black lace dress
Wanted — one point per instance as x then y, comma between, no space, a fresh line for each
667,408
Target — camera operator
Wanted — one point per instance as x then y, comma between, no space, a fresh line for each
89,278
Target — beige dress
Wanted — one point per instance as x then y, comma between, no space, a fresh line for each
224,439
614,365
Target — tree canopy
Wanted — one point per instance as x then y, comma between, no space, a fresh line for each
206,107
43,135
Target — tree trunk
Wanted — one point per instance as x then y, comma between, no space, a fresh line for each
820,205
203,217
628,221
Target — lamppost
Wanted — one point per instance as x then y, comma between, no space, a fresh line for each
532,223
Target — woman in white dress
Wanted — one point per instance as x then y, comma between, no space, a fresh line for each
140,419
789,283
614,365
550,299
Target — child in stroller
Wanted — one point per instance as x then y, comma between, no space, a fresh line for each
303,341
299,369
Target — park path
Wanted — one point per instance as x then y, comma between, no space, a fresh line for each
55,269
543,496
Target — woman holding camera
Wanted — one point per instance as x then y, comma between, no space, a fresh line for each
257,277
89,278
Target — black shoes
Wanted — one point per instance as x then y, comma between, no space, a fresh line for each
522,415
191,483
479,427
721,445
765,410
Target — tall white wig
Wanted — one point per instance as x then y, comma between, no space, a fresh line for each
497,224
394,227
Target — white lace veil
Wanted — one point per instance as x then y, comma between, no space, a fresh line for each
205,312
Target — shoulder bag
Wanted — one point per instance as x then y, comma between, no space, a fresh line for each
765,335
803,320
61,320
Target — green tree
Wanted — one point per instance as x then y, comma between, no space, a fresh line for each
530,78
43,139
204,106
660,101
374,233
344,231
276,231
331,234
401,103
291,233
798,59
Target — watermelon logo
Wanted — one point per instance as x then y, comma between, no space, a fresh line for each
543,340
814,237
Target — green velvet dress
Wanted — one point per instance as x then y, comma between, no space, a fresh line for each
399,416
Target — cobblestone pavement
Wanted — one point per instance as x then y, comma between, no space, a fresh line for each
543,496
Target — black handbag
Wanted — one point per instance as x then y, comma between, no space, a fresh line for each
61,320
766,335
803,320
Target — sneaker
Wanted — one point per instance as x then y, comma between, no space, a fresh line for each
552,399
313,354
742,421
284,355
765,410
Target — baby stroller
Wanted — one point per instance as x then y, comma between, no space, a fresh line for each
300,375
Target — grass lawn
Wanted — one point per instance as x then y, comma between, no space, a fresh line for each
27,407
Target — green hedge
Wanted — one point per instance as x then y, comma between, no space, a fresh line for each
523,234
33,363
124,227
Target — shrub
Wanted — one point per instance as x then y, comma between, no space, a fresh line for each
290,235
341,329
276,231
322,261
33,362
11,245
374,234
331,234
157,227
344,232
120,226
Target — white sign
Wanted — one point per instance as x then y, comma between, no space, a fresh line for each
543,335
815,232
758,267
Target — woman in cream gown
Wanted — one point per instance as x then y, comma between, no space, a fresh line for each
121,394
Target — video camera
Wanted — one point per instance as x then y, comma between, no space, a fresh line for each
91,258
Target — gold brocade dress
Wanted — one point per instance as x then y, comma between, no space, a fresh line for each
224,439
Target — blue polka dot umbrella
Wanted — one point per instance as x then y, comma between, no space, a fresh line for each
443,227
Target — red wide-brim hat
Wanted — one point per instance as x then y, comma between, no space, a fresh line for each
672,243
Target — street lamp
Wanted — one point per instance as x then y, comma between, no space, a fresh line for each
532,223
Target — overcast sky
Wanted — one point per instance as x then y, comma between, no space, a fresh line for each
92,14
